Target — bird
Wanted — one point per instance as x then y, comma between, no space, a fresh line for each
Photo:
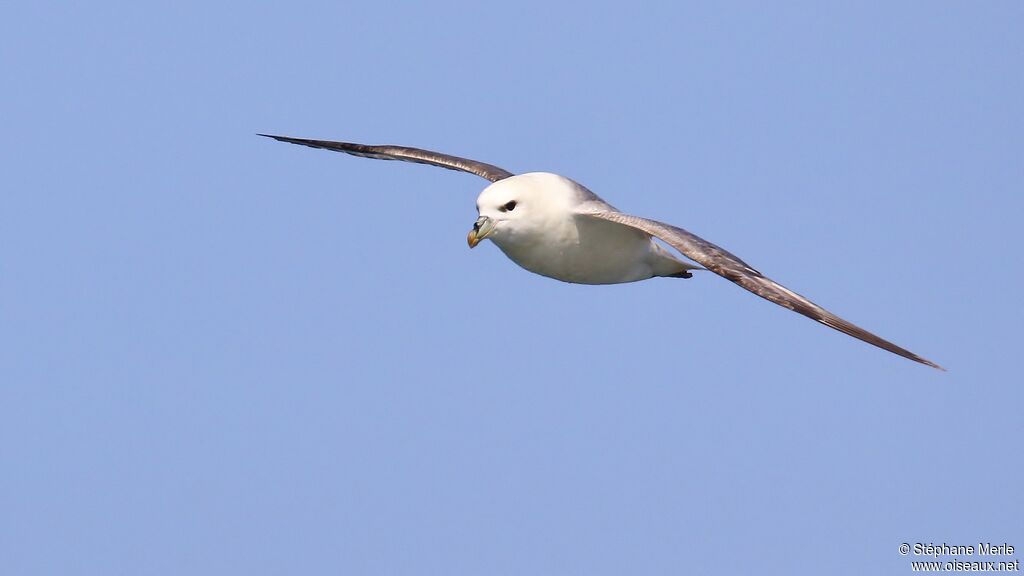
554,226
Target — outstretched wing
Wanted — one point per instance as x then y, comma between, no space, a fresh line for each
388,152
725,264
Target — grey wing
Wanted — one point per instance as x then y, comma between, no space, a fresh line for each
727,265
405,153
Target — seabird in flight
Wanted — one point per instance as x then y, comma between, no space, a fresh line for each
555,227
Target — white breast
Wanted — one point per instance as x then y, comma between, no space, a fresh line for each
584,251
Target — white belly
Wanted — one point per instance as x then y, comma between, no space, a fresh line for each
586,251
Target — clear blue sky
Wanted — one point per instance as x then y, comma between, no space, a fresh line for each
225,355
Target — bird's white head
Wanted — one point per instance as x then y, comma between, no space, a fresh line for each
523,205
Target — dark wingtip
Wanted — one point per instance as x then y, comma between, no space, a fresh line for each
911,356
299,141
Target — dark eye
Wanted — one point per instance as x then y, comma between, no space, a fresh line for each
509,206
